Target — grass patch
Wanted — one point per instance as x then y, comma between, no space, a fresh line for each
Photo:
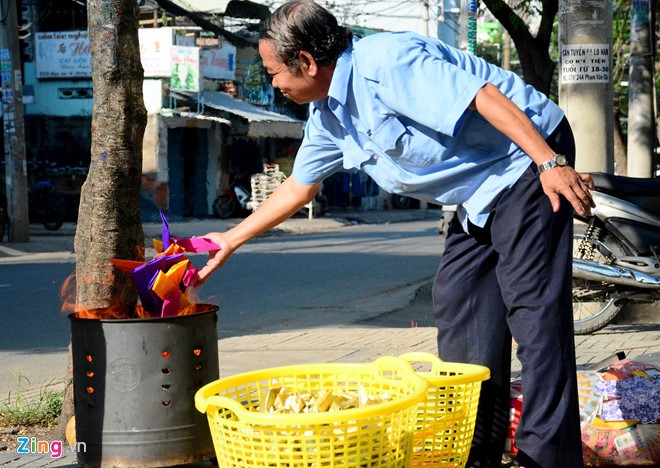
30,407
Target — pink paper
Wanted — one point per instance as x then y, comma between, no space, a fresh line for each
196,244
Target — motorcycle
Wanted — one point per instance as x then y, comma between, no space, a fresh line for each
616,250
233,201
46,206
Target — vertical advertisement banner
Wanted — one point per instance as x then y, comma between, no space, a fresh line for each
185,69
155,51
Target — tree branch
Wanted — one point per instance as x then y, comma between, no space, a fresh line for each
203,23
510,21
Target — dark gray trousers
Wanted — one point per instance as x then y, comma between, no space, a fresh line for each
513,278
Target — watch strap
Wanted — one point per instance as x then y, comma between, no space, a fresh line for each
551,163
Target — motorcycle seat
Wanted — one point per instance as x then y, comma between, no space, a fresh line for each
643,192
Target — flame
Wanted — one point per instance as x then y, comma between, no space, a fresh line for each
197,308
118,311
70,305
68,295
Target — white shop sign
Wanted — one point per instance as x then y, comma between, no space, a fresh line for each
155,51
63,55
585,63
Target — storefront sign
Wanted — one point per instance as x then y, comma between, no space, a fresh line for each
155,51
63,55
219,63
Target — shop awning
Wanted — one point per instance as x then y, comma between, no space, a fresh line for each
260,122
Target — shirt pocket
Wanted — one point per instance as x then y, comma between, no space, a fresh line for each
387,136
411,148
353,155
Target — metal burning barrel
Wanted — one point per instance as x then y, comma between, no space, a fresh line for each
134,386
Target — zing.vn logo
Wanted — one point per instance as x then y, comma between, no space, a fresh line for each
28,445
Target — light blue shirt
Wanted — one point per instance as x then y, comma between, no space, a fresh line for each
397,109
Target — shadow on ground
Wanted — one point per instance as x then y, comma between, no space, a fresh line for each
419,313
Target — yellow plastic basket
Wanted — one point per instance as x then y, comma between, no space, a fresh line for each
375,436
446,418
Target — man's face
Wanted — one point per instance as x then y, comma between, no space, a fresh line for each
301,87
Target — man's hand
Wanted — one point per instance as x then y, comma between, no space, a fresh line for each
217,258
573,186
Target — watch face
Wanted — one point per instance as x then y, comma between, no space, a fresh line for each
561,160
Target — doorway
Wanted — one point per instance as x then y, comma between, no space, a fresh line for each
187,158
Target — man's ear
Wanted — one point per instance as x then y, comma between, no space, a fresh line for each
307,63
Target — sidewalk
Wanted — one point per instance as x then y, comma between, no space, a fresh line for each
355,343
364,344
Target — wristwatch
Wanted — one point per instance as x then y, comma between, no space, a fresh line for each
559,160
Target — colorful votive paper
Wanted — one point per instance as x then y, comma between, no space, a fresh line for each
162,283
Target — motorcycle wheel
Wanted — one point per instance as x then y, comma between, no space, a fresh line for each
401,202
225,206
53,212
595,304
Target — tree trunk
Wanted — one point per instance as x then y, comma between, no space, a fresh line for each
109,219
620,147
109,216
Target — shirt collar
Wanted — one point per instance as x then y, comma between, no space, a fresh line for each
340,79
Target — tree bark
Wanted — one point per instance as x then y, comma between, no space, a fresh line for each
534,52
109,216
620,148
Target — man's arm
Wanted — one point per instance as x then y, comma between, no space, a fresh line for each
286,200
505,116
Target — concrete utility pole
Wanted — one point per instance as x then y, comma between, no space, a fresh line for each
585,80
449,22
641,122
454,19
14,134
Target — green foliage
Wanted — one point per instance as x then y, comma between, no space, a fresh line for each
26,409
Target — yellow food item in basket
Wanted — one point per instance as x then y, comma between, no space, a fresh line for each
279,399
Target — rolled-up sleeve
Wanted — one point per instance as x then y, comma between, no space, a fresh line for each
318,156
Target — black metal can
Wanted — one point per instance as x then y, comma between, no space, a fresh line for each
134,386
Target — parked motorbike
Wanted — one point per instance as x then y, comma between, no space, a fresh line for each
232,202
46,206
616,250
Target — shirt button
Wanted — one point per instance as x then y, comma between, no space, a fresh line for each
368,132
375,156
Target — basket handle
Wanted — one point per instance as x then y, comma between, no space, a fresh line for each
477,372
420,356
204,403
385,363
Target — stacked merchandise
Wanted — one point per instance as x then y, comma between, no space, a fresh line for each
264,184
619,414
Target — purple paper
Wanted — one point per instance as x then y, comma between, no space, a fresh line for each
144,277
166,231
633,399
